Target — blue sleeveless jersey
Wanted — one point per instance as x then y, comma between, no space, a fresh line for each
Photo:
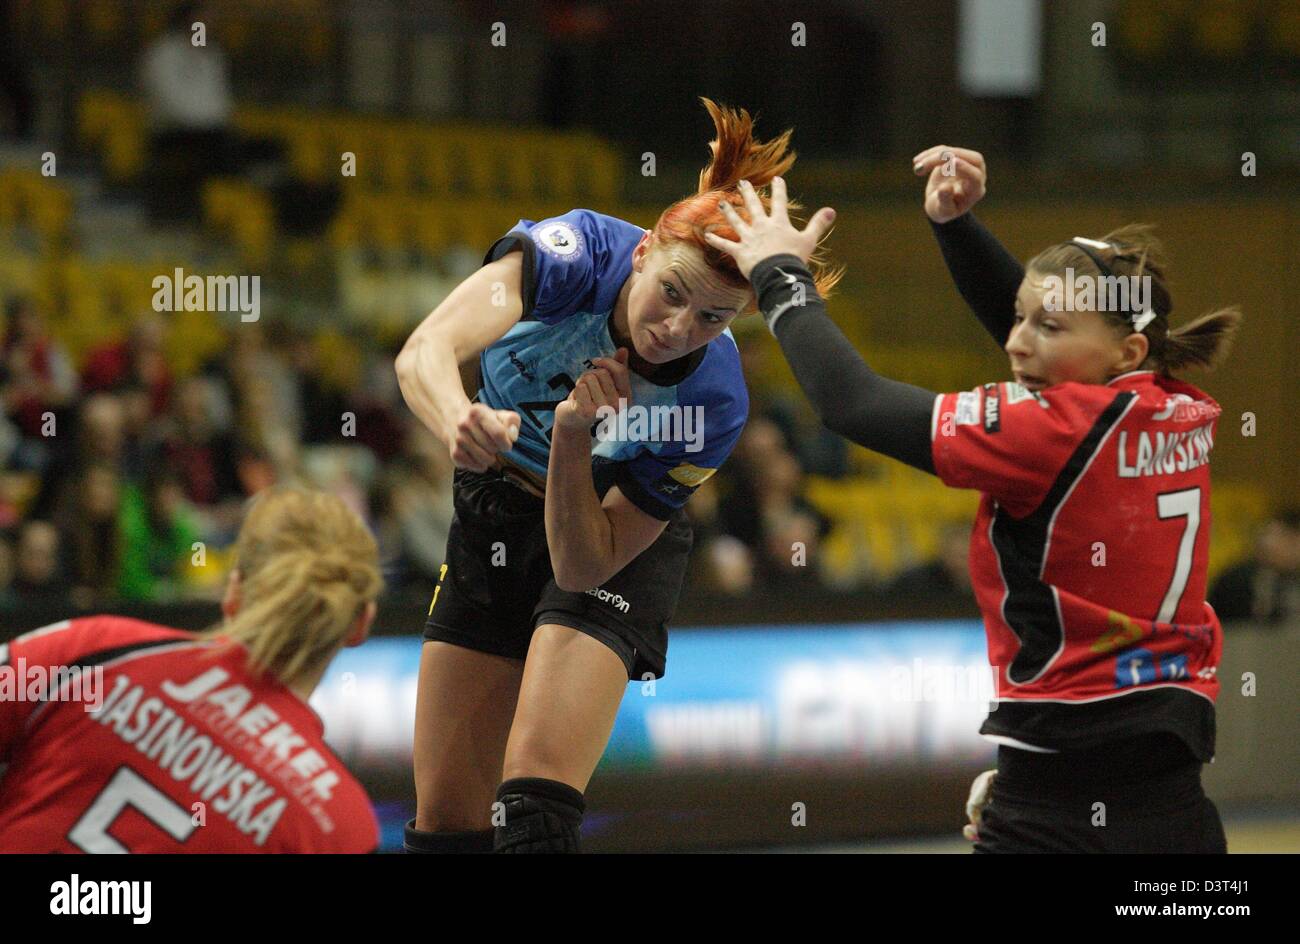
684,420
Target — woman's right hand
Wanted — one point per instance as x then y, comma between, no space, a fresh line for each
480,433
957,180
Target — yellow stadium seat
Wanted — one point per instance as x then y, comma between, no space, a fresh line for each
394,160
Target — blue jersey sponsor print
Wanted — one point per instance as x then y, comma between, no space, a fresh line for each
683,421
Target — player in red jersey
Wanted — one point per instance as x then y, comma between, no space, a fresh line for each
1089,552
125,736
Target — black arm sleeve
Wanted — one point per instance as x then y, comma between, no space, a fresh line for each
883,415
987,276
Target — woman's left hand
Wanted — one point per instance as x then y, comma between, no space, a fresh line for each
606,386
765,235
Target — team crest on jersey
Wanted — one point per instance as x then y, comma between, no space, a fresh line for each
559,239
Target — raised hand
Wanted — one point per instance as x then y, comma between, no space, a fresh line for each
767,235
957,178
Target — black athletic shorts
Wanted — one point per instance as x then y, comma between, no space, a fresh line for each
498,585
1142,795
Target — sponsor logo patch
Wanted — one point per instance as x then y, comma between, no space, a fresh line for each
691,475
968,409
1017,392
992,409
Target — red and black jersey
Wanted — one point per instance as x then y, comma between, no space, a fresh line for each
125,736
1089,555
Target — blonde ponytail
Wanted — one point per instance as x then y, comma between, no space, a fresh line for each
308,567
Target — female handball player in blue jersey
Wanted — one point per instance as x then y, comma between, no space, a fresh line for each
569,544
1105,674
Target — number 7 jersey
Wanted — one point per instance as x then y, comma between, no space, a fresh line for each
1089,556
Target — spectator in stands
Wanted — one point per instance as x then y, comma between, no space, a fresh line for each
18,116
819,451
201,455
414,509
158,531
322,403
188,100
37,581
39,380
91,536
738,510
11,505
1267,588
792,527
765,506
720,562
376,401
254,360
766,509
947,577
7,598
98,435
137,361
10,437
264,429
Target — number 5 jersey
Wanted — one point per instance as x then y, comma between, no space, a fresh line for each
125,736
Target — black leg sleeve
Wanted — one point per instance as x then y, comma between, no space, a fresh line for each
986,275
883,415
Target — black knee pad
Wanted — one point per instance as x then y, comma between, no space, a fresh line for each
435,843
541,816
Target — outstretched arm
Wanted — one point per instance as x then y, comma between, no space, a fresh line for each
883,415
986,275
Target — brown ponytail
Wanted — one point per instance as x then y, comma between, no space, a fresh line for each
1134,251
308,567
736,156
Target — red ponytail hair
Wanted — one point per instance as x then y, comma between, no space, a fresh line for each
737,156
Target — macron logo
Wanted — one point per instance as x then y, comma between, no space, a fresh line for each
613,599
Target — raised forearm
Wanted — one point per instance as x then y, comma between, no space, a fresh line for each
429,378
884,415
578,532
985,273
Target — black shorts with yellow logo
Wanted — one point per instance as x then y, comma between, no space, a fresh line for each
497,585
